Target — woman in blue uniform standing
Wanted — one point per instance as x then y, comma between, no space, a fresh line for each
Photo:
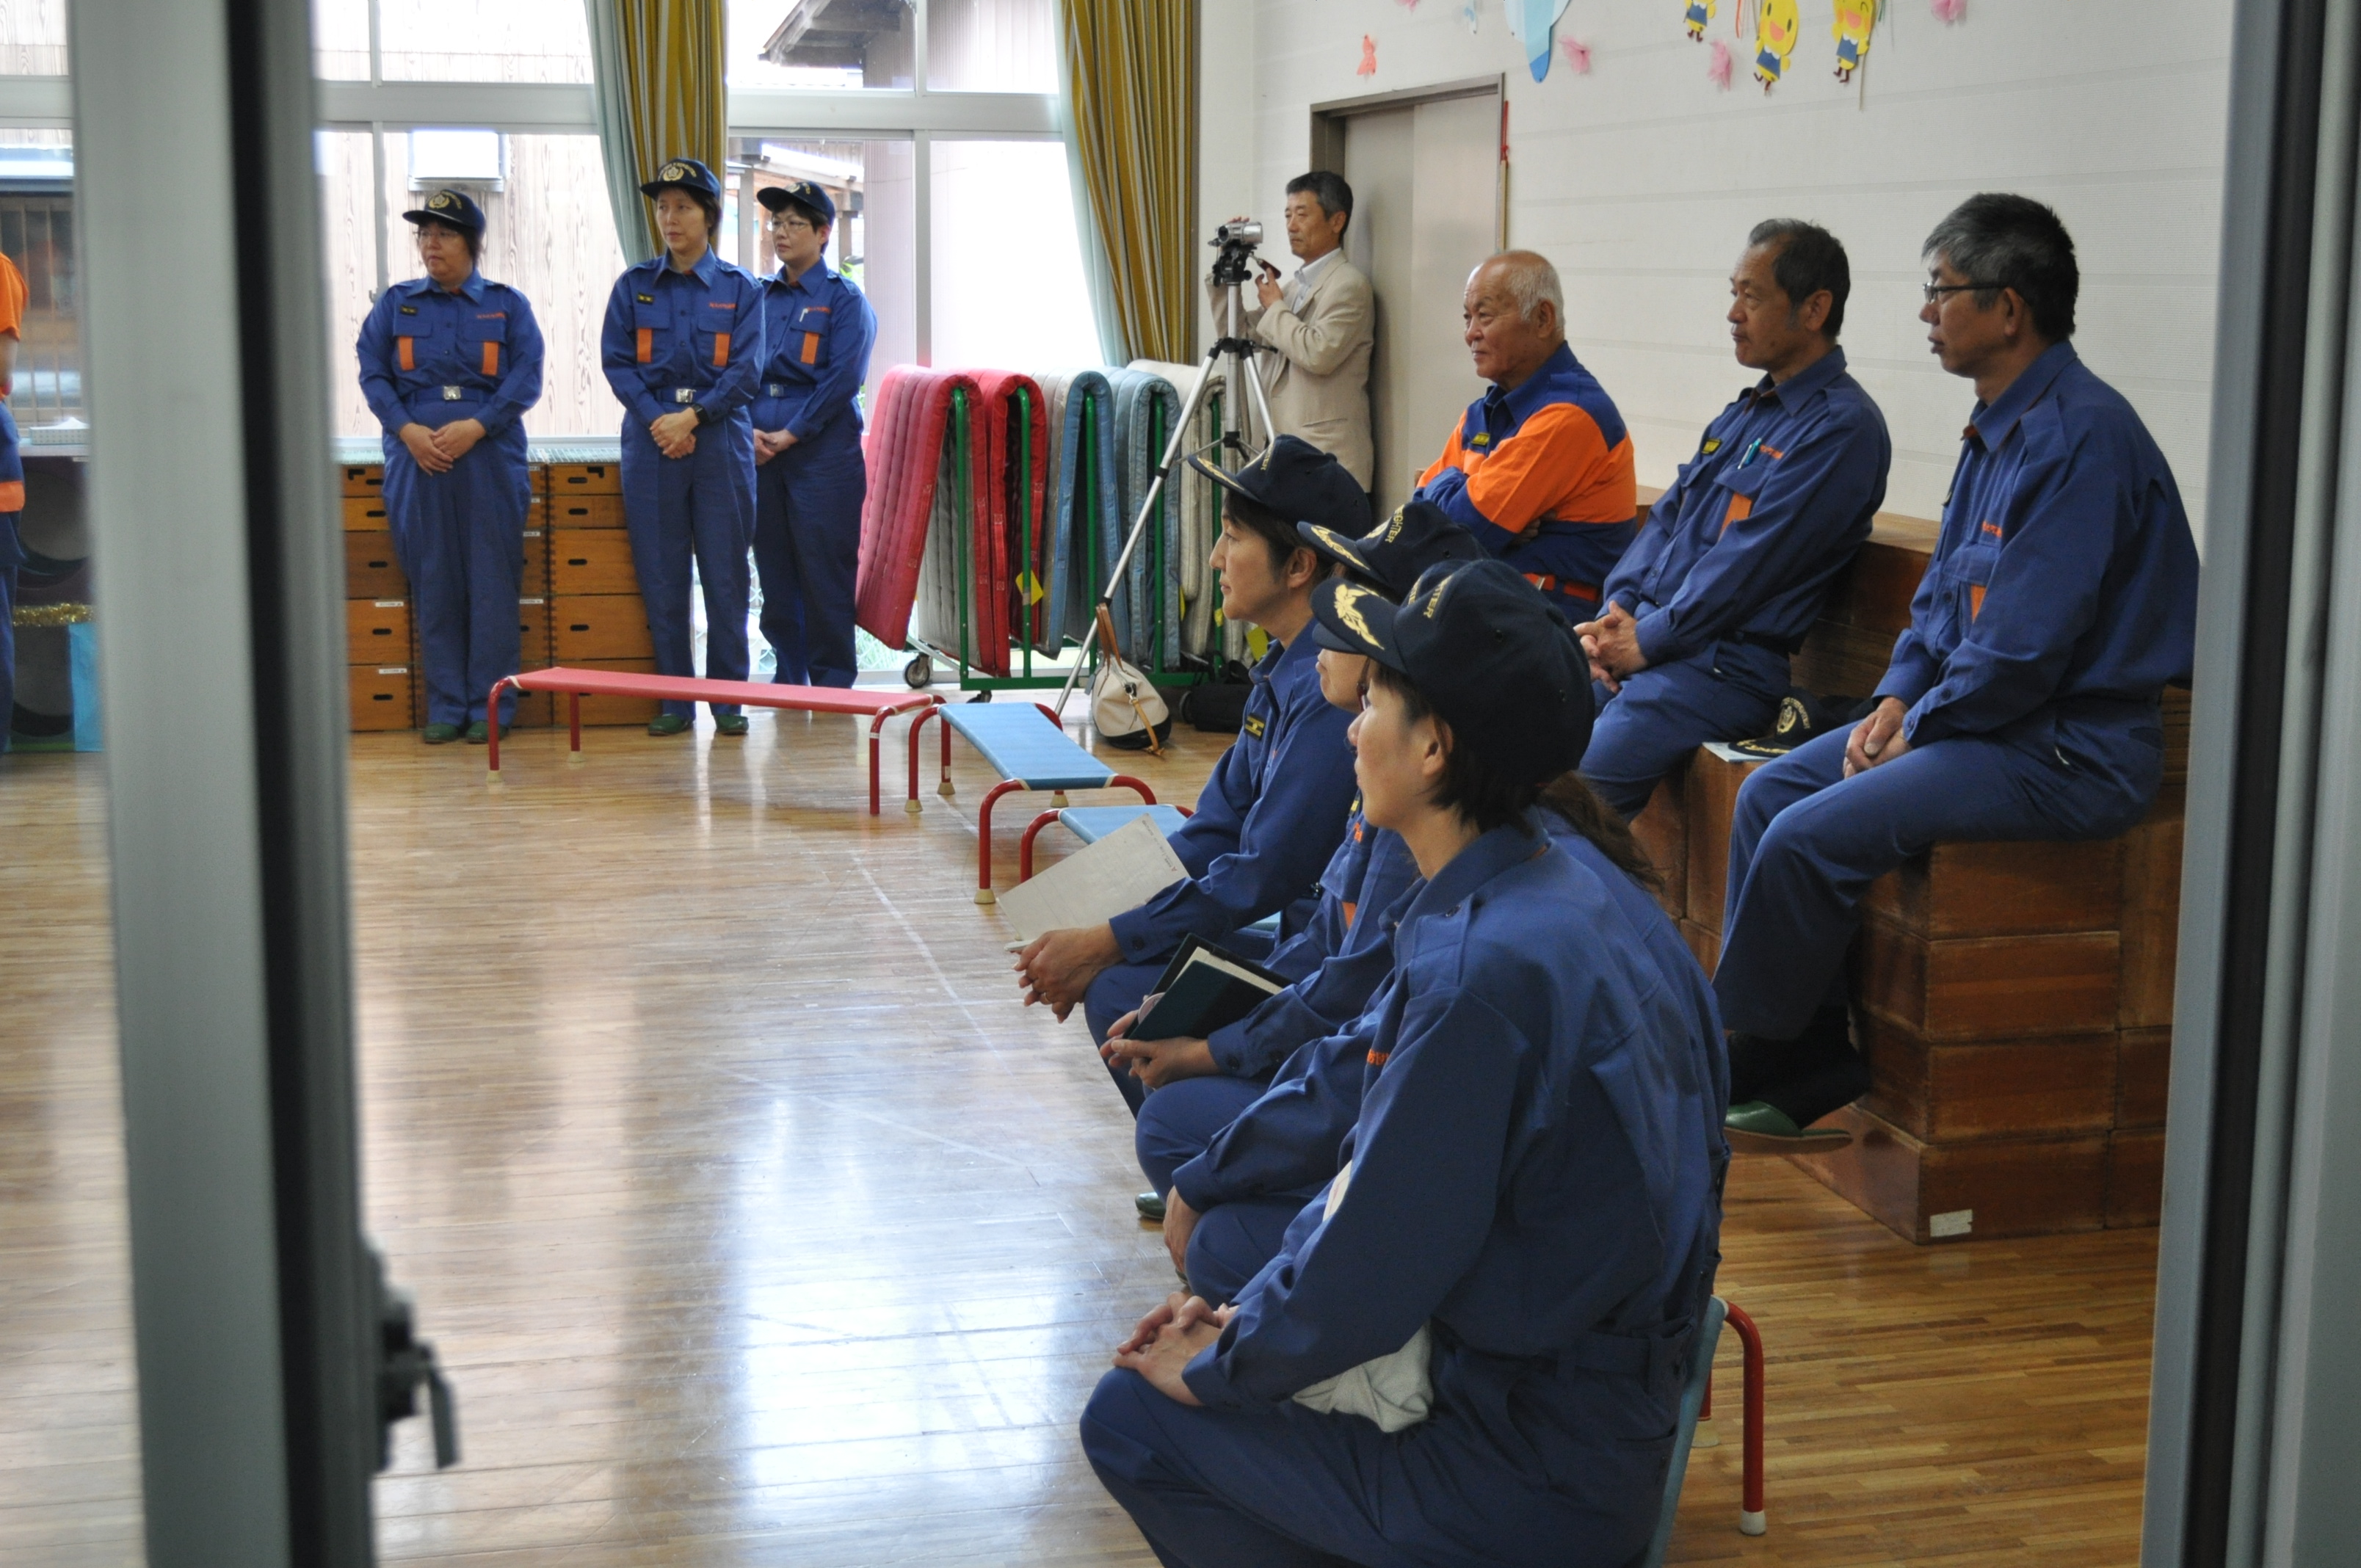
682,347
810,478
449,364
1469,1349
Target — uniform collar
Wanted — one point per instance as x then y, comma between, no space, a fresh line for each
1478,863
1991,425
819,273
1539,388
707,267
1799,388
1284,657
472,290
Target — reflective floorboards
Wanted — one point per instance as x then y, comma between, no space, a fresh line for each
757,1222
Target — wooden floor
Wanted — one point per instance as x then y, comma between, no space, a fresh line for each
759,1225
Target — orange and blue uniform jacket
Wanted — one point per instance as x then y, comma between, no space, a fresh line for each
1542,475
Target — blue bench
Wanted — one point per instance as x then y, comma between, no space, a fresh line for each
1696,1398
1025,745
1093,823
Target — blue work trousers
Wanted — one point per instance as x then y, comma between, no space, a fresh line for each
1232,1240
1806,842
1119,989
459,537
1287,1486
808,547
1729,692
700,505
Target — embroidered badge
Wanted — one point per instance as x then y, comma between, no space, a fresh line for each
1254,725
440,200
645,299
410,309
674,171
1483,438
1712,445
1348,610
1991,527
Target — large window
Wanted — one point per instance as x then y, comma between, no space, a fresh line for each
452,40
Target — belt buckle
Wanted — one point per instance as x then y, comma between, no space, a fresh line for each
453,394
683,394
775,389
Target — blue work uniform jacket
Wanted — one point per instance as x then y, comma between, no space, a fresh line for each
674,339
1266,821
1535,1176
430,357
1293,1137
2064,586
1744,545
816,332
1336,962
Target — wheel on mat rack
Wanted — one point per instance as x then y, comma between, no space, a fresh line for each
920,672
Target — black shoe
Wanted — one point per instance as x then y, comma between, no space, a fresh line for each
1757,1061
1150,1206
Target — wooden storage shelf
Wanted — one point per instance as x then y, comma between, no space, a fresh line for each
371,571
590,561
586,627
377,631
379,696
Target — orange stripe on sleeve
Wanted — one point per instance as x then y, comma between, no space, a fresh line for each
491,359
720,350
12,495
647,344
408,356
1451,454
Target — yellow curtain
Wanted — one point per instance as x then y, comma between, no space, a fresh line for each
1130,68
658,69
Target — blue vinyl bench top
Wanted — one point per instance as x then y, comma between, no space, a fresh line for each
1021,744
1093,823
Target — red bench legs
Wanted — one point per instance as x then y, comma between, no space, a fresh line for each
1752,1519
984,894
492,710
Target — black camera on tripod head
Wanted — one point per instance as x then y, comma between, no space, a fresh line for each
1234,244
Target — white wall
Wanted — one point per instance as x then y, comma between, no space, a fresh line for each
1640,180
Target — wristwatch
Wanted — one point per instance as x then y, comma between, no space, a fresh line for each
705,415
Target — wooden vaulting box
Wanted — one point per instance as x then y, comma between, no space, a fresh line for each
2013,1001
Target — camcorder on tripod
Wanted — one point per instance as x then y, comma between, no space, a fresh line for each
1119,684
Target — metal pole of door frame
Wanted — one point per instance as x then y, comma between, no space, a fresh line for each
220,576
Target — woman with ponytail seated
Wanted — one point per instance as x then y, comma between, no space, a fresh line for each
1469,1345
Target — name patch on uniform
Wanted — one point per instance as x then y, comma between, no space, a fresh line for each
410,309
1992,529
1253,725
1712,445
491,316
645,299
724,304
1482,438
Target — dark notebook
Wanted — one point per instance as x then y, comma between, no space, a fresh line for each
1201,990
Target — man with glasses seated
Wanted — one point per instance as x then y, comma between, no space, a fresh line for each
809,476
2022,703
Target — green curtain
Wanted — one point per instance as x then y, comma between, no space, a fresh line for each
1127,78
656,72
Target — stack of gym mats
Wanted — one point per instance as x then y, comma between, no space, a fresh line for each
944,536
1197,509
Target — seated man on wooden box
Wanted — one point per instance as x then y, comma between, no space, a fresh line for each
1737,558
2022,703
1275,808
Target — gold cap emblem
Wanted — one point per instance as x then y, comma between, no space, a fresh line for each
674,171
1348,610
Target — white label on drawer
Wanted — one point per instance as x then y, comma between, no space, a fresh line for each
389,604
1957,1223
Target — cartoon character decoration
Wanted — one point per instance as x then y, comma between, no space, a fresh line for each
1855,20
1776,29
1700,17
1531,21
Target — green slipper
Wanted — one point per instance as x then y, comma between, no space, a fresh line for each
668,724
730,724
1760,1128
439,734
1150,1206
480,731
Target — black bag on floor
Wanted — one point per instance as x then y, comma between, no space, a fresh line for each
1218,706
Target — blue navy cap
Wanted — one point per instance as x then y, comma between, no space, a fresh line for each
1488,651
456,208
1394,555
1298,481
683,174
802,194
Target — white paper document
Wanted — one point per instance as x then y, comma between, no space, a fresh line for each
1099,881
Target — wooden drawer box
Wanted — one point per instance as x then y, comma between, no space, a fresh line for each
377,631
590,561
365,513
584,480
370,570
378,696
533,634
586,512
535,583
587,626
361,478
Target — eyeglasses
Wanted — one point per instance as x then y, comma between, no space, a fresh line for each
790,226
1934,291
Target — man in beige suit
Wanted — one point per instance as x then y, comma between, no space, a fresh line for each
1320,325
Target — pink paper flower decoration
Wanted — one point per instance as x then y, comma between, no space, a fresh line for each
1717,68
1949,10
1368,66
1577,55
1409,5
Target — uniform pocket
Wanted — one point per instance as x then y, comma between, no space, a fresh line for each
807,336
651,325
486,340
1740,485
1967,572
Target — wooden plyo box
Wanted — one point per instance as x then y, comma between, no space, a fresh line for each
590,561
371,571
568,511
584,628
606,710
378,698
377,631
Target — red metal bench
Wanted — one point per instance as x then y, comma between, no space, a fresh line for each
879,703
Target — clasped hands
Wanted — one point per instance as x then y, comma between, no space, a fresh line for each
434,451
1168,1339
769,443
1877,739
1611,644
674,434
